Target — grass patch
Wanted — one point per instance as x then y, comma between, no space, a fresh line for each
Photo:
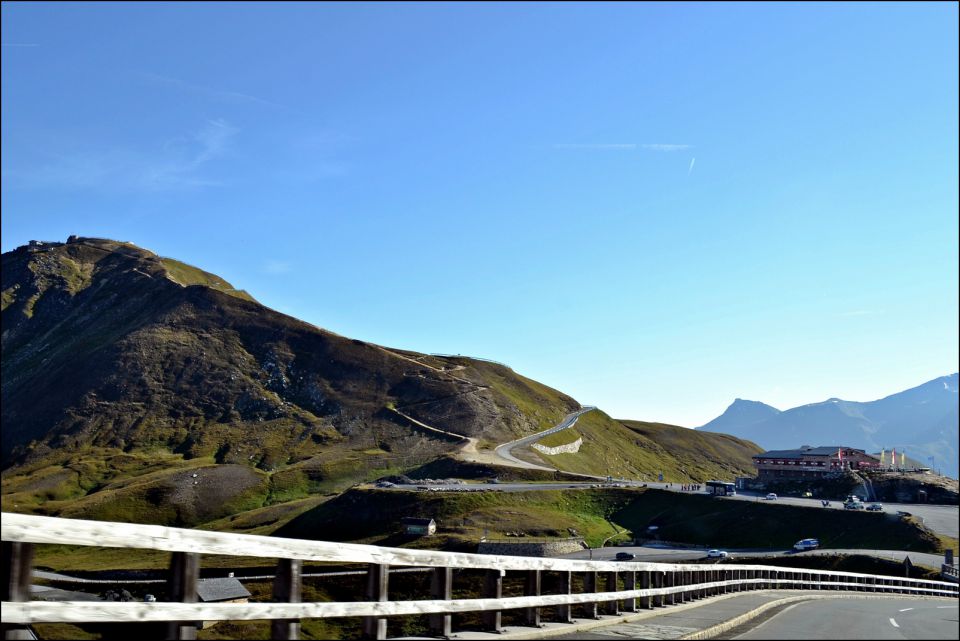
461,517
563,437
186,275
542,406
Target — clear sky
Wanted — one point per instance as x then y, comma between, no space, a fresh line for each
655,208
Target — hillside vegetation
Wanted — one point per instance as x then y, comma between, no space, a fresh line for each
463,518
139,388
114,357
638,450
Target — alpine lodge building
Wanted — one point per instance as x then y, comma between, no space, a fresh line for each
808,462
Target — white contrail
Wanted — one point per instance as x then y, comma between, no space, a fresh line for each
666,147
692,160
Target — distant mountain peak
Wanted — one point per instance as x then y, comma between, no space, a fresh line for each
741,412
922,419
747,402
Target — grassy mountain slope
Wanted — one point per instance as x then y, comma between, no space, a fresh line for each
639,450
109,350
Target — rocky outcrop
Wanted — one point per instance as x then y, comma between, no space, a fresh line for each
915,488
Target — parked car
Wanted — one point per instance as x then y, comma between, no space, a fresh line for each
717,554
875,507
807,495
853,505
625,556
771,497
806,544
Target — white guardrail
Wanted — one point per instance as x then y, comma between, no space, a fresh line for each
644,585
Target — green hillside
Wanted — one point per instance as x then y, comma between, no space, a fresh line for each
189,275
639,450
114,358
462,518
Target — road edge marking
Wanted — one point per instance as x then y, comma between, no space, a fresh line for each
712,631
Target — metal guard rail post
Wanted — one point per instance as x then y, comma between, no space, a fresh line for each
661,583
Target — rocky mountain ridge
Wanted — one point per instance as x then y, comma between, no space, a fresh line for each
921,421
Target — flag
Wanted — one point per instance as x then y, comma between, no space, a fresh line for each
882,452
903,459
840,454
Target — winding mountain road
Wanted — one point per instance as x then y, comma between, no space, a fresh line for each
505,451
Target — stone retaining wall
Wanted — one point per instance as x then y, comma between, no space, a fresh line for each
529,548
569,448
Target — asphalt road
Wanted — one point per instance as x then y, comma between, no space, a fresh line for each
664,554
861,619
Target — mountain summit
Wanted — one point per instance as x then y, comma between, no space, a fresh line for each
740,413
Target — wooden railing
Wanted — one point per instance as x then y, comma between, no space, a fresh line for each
645,585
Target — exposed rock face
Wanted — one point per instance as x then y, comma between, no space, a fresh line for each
915,488
569,448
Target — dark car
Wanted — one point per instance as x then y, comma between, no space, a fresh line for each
625,556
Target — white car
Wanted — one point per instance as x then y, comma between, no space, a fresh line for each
771,497
806,544
717,554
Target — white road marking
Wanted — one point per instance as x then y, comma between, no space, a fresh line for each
906,609
946,607
893,623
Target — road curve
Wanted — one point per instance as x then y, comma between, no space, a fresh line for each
505,451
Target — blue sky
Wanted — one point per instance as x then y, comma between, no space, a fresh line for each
655,208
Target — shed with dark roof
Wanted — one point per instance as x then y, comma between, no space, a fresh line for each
220,590
223,590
